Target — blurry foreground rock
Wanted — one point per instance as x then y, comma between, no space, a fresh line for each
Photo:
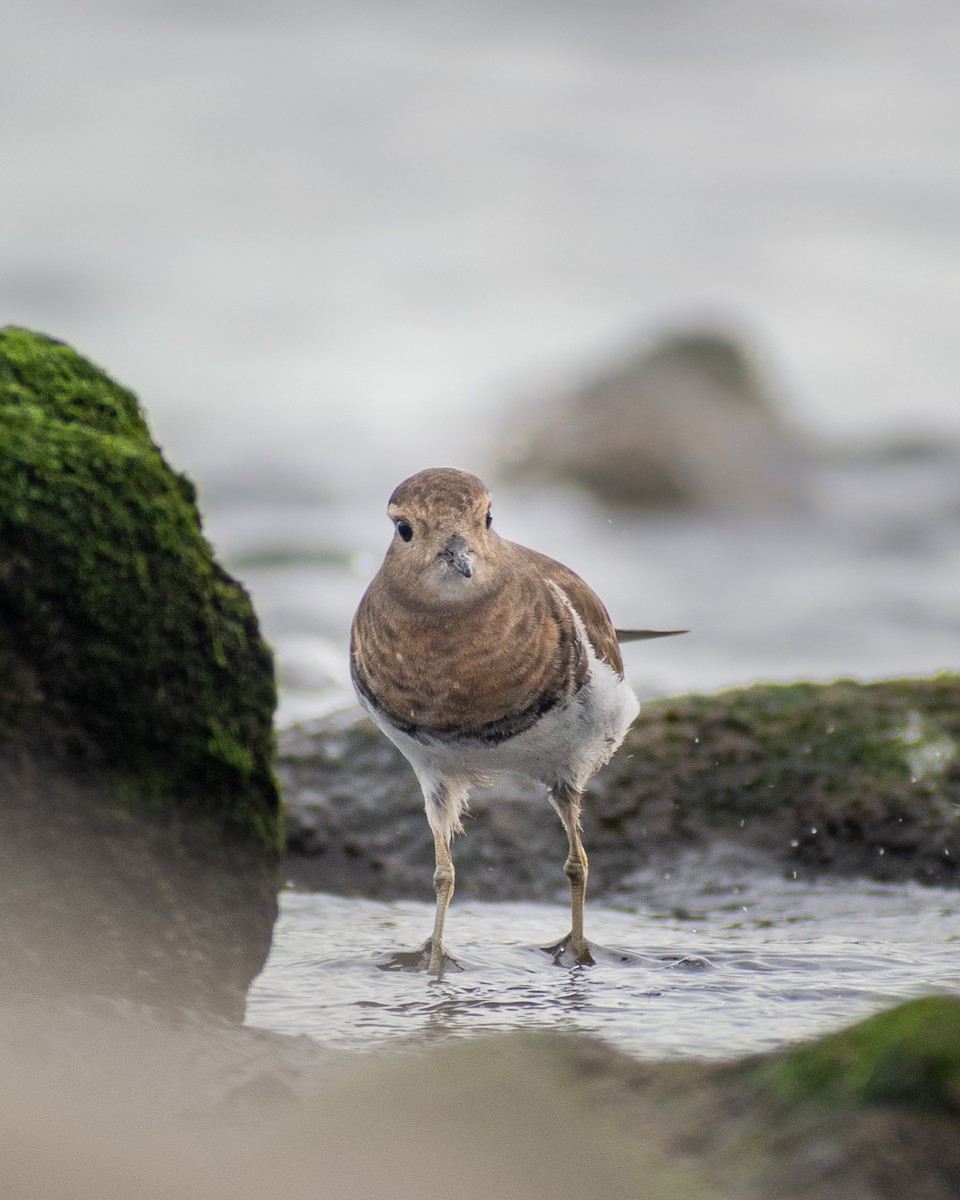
687,422
120,1105
856,779
139,819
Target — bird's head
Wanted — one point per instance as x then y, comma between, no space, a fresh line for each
443,545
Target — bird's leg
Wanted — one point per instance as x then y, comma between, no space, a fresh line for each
443,879
443,804
431,955
567,804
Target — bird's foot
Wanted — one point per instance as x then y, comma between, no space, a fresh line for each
570,952
424,958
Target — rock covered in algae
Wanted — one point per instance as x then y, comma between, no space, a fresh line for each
843,778
869,1112
908,1055
814,779
136,701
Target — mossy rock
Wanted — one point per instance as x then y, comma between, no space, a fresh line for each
140,819
844,777
909,1055
868,1112
124,646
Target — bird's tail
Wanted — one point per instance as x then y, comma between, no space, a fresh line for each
643,635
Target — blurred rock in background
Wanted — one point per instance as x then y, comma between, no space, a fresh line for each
688,421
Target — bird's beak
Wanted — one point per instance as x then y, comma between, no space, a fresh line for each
457,553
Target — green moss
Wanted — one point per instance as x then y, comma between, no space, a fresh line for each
124,647
857,777
909,1055
831,737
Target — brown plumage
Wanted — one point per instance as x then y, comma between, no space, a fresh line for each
476,656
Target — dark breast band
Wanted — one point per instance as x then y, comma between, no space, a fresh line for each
492,733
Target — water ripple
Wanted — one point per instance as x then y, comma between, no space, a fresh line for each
806,958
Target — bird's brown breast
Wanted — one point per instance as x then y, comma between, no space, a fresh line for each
484,670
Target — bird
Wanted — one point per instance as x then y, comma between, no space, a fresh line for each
478,657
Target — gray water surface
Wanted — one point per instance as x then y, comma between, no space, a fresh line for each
769,962
294,225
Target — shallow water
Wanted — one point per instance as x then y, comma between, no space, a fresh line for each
745,968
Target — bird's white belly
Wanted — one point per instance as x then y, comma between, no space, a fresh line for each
565,746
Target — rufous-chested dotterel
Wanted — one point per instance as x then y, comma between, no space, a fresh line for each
478,657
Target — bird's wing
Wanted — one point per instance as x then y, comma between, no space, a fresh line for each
588,606
643,635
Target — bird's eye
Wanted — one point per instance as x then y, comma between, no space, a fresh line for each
405,529
489,517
